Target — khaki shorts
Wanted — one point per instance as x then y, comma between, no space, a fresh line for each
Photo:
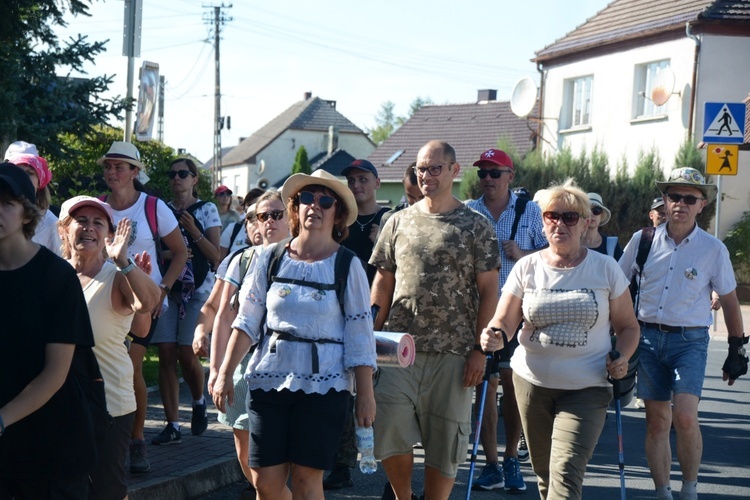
425,402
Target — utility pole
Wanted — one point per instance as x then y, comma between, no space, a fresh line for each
218,19
131,48
160,123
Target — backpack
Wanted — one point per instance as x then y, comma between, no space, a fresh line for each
245,255
520,208
235,231
197,266
644,247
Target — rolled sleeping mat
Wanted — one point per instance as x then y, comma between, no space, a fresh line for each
394,349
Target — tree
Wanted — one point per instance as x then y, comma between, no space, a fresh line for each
301,163
386,122
37,103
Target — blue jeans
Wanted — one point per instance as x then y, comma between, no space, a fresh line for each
672,363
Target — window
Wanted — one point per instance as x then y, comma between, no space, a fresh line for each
645,78
577,102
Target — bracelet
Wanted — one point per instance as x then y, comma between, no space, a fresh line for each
478,347
125,270
196,241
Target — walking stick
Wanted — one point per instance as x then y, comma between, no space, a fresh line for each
480,413
618,419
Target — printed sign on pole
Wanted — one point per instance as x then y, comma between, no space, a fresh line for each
724,122
722,159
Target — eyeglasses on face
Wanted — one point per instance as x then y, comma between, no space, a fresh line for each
182,173
273,214
568,218
494,173
689,199
596,210
223,194
433,170
324,201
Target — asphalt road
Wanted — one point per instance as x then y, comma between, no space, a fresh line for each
724,474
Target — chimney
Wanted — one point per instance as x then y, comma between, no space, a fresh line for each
333,139
307,96
486,95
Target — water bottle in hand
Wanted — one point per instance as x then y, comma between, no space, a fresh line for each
365,444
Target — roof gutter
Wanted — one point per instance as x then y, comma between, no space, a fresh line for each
696,59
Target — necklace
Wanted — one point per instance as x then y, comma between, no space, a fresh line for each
362,226
572,262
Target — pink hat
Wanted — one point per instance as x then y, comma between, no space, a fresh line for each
38,163
73,204
495,156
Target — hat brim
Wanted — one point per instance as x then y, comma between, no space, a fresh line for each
89,202
296,182
708,190
606,215
122,158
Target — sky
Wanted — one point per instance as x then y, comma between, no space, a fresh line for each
359,54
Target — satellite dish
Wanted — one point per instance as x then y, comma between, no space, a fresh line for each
524,97
663,87
261,167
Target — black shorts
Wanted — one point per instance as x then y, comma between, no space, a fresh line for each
295,427
145,341
108,478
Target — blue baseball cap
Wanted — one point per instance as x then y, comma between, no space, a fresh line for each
361,165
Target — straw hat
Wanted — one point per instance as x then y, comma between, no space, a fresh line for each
123,151
689,177
320,177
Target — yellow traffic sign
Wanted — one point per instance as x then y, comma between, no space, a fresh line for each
722,159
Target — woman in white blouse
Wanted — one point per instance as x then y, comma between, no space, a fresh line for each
308,353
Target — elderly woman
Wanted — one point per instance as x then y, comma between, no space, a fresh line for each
114,291
152,221
221,309
567,297
308,350
593,238
39,173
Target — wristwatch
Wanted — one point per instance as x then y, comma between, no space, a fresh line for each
165,288
128,268
478,347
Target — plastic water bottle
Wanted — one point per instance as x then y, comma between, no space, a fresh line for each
365,444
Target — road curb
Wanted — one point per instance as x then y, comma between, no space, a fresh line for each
193,482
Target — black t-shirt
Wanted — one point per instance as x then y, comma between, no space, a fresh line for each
359,241
41,303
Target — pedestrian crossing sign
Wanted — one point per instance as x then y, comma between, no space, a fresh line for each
724,122
722,159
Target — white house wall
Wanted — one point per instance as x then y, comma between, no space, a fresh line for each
613,128
278,157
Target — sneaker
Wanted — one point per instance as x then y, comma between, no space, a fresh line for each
169,435
338,478
491,478
523,449
139,457
513,477
199,422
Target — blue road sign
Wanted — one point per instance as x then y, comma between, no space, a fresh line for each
724,122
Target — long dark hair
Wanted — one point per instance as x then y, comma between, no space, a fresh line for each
193,170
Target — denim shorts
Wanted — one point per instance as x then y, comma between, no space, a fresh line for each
672,363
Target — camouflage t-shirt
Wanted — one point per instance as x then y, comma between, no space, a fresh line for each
435,258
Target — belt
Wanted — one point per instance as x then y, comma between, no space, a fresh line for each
290,337
670,329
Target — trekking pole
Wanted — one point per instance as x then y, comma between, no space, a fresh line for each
618,419
480,413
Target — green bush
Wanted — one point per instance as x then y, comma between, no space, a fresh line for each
738,244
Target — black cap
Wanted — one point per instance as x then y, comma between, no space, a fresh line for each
18,181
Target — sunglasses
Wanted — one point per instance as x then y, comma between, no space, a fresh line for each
494,173
273,214
325,202
689,199
568,218
596,210
182,173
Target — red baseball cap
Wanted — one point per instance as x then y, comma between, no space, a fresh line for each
222,189
496,157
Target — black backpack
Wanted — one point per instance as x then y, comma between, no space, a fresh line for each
198,262
644,247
